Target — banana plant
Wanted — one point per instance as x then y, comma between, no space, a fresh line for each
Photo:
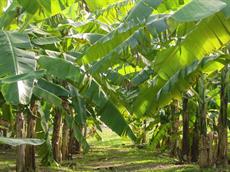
174,55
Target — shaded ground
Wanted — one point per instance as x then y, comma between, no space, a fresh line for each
112,154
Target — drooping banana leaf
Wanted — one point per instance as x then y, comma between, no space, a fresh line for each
98,4
78,135
155,25
46,40
79,105
93,92
145,103
108,112
226,10
20,77
114,12
186,77
3,5
207,37
142,76
29,6
56,89
16,59
134,20
51,7
17,142
60,68
198,9
9,15
47,96
143,10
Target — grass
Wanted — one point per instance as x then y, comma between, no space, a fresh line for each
113,153
7,159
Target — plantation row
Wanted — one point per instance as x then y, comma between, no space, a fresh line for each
154,70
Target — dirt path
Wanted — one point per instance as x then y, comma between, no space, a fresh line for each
113,153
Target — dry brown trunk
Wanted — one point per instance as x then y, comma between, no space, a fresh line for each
174,129
31,133
20,133
77,146
65,142
185,140
74,145
71,140
56,140
195,141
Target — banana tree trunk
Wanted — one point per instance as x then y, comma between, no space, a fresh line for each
222,158
185,139
31,133
56,140
205,155
77,147
71,141
20,150
74,145
65,142
174,128
66,132
195,139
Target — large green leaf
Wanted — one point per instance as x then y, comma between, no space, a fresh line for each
3,5
51,7
46,40
47,96
78,135
143,10
79,105
17,142
94,5
134,21
142,76
109,113
93,92
114,12
146,100
198,9
29,6
185,78
16,60
156,24
110,41
169,5
25,76
89,37
60,68
226,10
9,15
56,89
207,37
